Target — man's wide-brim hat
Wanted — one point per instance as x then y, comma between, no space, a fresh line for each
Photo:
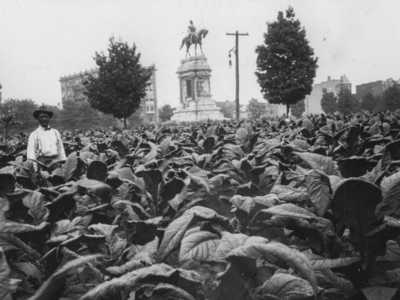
40,111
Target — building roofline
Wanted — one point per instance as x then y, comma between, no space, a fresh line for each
371,82
342,79
78,74
91,71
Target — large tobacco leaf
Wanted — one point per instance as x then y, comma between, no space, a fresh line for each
52,287
286,209
198,245
73,167
318,187
290,194
353,205
35,202
319,162
144,256
177,228
230,241
285,286
158,273
283,254
390,205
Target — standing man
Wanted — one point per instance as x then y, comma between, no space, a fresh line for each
191,29
44,144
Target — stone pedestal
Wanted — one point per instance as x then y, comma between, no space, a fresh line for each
195,94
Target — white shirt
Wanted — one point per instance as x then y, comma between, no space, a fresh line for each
44,142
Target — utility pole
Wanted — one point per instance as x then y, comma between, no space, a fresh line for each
194,90
237,34
153,79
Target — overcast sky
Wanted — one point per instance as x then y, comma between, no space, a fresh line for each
41,40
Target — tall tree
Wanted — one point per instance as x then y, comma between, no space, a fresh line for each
22,111
165,113
285,62
347,103
7,117
256,109
329,102
391,98
120,83
369,102
298,109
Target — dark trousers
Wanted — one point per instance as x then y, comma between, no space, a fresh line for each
48,161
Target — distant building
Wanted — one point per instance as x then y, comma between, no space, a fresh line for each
72,89
150,106
376,88
313,101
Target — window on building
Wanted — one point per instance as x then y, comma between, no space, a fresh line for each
189,89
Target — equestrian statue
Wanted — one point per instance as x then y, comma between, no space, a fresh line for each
193,38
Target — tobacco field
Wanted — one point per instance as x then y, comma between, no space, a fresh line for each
257,210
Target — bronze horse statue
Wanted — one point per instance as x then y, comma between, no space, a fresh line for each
194,39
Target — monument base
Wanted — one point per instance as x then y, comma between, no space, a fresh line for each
205,109
195,95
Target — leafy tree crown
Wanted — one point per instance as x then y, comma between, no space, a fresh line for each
329,102
286,64
166,112
121,81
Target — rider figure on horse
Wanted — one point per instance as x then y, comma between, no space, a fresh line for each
194,38
191,29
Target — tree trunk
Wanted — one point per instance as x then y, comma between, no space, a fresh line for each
125,124
287,109
6,127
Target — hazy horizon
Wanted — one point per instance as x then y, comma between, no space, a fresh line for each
42,40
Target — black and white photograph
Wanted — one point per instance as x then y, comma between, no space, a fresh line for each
199,150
